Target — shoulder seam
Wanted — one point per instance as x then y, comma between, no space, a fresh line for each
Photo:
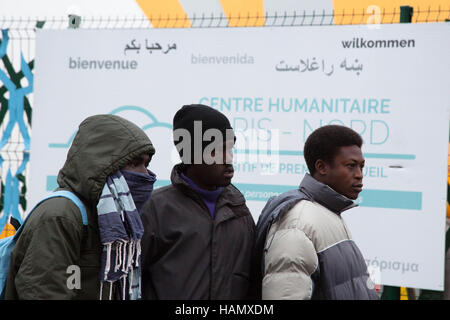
334,244
45,217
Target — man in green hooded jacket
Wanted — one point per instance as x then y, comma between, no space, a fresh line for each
54,243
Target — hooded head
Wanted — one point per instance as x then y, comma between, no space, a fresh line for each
103,144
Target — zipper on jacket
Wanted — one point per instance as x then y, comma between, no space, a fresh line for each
211,260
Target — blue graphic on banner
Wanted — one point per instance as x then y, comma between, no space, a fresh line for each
387,199
300,153
14,106
16,96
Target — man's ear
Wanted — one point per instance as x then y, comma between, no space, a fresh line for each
321,167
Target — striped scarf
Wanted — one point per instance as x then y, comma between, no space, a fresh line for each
121,231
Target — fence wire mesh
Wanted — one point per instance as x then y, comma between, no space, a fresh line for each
25,27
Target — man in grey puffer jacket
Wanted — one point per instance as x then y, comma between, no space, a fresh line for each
308,251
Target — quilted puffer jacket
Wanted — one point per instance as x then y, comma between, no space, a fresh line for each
309,252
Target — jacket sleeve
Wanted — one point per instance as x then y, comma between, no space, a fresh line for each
289,263
44,273
149,249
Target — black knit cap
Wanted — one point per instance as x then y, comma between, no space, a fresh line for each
210,119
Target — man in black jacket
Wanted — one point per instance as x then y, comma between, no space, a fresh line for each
199,232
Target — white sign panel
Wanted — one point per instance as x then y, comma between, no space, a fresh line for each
276,85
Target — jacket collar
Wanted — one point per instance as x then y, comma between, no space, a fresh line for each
325,195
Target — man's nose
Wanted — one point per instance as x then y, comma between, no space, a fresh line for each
359,173
229,156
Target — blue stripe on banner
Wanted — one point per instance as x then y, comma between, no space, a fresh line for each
389,199
300,153
389,156
261,192
161,183
52,183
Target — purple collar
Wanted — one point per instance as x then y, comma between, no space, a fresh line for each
208,197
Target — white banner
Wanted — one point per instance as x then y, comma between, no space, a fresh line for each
276,85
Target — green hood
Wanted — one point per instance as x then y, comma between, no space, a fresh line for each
102,145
